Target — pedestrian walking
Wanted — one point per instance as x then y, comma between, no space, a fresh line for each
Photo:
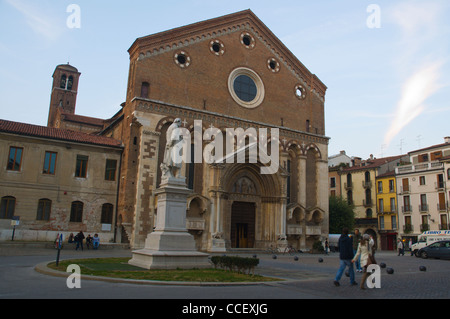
345,245
356,239
410,247
400,248
364,252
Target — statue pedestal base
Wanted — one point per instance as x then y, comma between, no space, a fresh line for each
170,246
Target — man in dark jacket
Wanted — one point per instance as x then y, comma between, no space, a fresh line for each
345,255
79,240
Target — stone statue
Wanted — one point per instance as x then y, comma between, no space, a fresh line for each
172,163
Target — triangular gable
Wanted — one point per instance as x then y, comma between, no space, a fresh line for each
185,36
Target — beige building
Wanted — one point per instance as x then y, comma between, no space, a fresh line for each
422,191
359,187
57,181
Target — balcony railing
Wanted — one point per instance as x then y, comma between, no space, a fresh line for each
367,184
348,185
423,208
424,227
404,189
439,185
386,210
442,206
407,209
367,203
444,227
408,228
418,167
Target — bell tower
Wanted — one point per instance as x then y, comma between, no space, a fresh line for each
64,93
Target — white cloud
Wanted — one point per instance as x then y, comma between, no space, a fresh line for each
419,44
420,86
40,23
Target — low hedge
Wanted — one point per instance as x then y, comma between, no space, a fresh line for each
234,263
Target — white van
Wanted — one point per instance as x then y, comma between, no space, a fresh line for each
429,237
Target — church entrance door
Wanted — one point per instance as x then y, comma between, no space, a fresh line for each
243,225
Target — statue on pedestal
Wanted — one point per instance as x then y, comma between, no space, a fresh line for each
171,165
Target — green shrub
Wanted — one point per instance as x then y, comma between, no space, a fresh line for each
317,246
234,263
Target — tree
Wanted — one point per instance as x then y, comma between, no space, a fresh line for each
341,215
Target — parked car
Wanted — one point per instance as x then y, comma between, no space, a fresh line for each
440,249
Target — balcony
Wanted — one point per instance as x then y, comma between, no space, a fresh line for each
423,208
348,185
424,227
444,227
442,207
387,210
440,186
367,184
367,203
418,167
408,228
406,209
404,189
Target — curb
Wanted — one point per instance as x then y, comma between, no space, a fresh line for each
43,269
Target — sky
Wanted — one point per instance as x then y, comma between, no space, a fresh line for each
385,63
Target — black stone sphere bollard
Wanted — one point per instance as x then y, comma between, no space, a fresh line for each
320,260
382,265
390,270
423,268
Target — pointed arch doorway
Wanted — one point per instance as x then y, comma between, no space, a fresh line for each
243,224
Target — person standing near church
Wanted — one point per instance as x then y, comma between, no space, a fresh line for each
345,246
356,239
79,240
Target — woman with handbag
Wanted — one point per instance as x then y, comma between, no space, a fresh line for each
365,252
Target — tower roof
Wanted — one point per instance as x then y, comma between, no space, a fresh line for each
66,67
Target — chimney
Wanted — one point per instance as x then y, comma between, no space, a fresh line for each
447,139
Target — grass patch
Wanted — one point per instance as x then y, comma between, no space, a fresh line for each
119,268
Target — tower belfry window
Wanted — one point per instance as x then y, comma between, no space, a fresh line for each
62,84
70,83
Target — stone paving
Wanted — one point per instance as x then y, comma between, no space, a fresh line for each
306,278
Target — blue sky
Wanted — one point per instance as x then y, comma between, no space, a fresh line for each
388,87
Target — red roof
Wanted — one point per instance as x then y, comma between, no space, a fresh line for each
57,134
373,163
83,119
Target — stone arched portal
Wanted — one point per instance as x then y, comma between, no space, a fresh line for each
252,206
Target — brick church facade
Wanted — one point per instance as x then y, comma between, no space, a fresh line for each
227,72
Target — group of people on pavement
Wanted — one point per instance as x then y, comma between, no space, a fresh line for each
78,239
358,250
